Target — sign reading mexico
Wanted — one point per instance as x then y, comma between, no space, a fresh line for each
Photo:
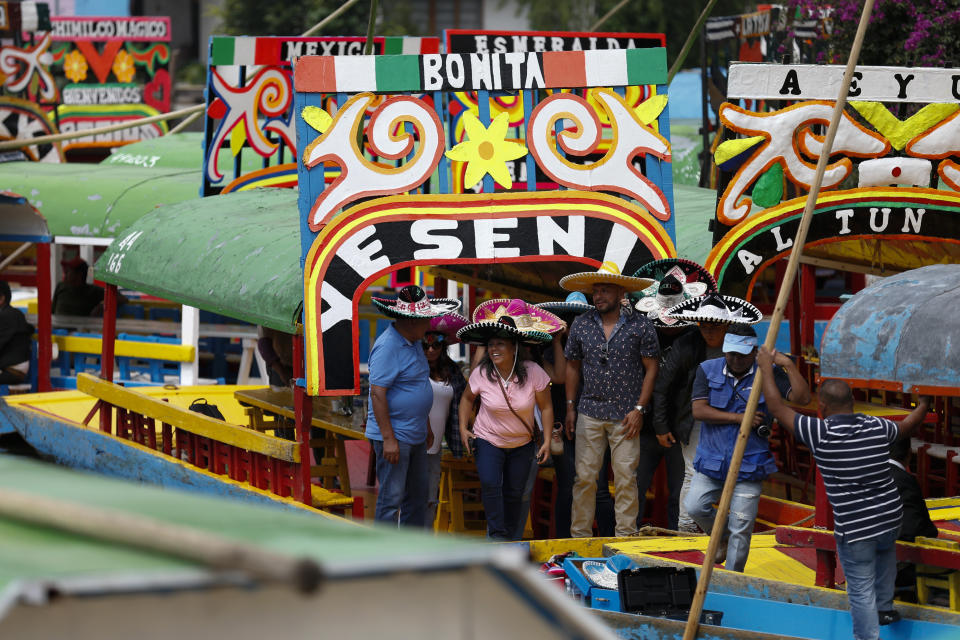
391,205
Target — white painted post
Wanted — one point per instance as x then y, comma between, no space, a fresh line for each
190,334
453,350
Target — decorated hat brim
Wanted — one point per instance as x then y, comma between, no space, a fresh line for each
562,306
543,316
583,282
664,265
438,307
481,332
449,332
689,310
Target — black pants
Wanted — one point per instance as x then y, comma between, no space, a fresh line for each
650,455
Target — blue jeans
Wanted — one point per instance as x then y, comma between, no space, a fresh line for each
504,474
403,486
434,471
704,491
871,570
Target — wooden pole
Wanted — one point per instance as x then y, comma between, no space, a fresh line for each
14,255
720,524
609,14
185,123
333,16
141,532
19,143
691,37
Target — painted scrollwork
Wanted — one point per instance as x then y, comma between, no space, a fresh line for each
615,171
19,66
269,94
388,138
788,138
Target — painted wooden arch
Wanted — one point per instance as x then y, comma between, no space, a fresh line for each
917,218
394,232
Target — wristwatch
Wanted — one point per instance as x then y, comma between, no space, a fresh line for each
641,408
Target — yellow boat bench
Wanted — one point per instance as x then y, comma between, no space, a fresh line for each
243,455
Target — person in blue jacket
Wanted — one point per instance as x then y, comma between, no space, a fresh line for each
719,399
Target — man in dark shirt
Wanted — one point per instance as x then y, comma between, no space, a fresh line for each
74,296
616,351
852,452
15,335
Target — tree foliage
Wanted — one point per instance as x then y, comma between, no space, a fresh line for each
901,32
675,18
258,18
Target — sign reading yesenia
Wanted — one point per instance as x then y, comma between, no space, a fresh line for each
373,218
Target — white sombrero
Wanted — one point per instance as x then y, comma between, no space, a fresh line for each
714,307
412,302
608,273
676,280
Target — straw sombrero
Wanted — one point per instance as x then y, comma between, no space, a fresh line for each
503,327
576,302
608,273
676,280
448,324
412,302
714,307
526,316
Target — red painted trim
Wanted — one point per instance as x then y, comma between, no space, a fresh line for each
906,551
106,355
44,318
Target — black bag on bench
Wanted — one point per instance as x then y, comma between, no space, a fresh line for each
201,406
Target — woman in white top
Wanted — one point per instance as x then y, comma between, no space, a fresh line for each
448,384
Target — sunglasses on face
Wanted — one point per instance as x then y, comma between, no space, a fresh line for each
434,342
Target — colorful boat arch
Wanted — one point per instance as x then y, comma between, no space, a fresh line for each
915,215
394,232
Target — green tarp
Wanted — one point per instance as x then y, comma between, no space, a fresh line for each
237,254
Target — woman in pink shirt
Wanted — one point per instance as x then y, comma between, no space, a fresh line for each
509,386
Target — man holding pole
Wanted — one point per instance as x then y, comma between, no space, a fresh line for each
852,454
719,399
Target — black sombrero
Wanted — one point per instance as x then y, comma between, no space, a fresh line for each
714,307
412,302
576,302
677,280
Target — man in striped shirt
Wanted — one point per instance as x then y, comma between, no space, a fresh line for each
852,453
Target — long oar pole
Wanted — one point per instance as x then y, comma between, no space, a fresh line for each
723,509
691,38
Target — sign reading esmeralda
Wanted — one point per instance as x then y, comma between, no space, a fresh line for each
481,71
822,82
470,41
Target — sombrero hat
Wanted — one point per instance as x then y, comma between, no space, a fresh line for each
412,302
526,316
676,280
608,273
448,324
714,307
503,327
576,302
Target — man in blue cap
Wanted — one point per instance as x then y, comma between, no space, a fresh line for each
719,399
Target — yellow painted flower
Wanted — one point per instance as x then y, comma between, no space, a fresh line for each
75,66
486,150
123,66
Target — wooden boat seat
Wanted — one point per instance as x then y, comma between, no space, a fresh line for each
326,499
931,576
